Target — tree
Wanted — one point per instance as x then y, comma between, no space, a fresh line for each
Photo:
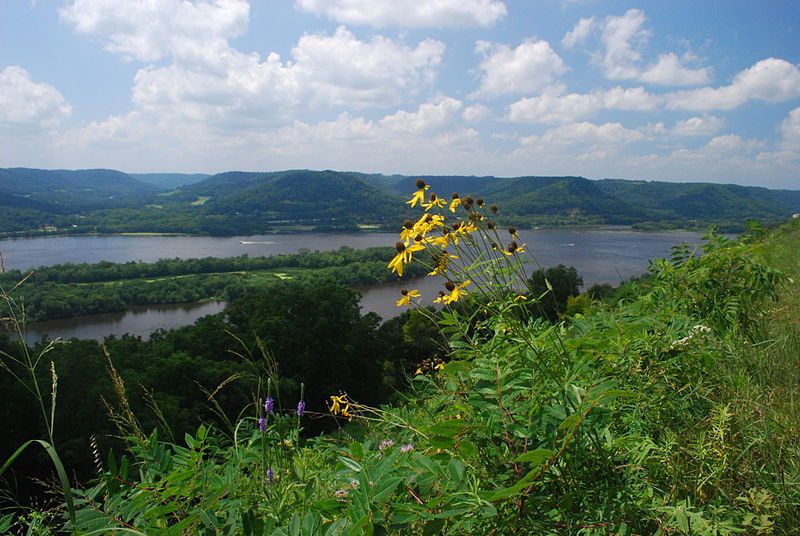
564,281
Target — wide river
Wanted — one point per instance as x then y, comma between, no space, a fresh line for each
601,255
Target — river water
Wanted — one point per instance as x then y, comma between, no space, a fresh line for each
604,255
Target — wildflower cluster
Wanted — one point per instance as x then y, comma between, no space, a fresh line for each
465,246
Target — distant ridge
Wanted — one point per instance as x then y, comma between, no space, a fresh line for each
241,202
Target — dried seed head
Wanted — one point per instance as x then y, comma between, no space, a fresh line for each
450,286
421,184
455,195
490,225
512,230
493,208
512,247
404,292
479,202
442,293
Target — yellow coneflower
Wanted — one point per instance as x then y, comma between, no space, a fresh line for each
455,202
403,257
408,231
340,405
442,260
456,292
434,201
427,223
407,296
419,195
513,248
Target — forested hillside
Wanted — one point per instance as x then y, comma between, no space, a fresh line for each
664,408
236,202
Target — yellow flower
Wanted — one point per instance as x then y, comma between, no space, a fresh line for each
442,260
403,257
437,202
340,405
444,240
455,202
407,295
520,297
408,231
456,291
419,195
513,248
427,223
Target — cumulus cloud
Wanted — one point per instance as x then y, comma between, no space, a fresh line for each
567,108
623,38
790,131
770,80
428,138
580,33
429,116
622,41
411,13
587,134
669,71
148,30
531,67
28,104
209,80
476,112
698,126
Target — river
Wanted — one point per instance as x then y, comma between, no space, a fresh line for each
601,255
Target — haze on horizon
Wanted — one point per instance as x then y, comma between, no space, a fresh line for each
680,91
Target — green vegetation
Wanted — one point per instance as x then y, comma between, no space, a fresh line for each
519,408
230,203
67,290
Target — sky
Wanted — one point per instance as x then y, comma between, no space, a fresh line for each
678,91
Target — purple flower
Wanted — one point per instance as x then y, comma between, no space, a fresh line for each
301,408
385,444
262,424
269,405
270,475
407,448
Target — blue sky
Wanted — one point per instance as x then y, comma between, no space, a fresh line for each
684,91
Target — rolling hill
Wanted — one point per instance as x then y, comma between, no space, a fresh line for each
239,202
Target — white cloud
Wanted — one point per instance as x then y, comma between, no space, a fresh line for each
566,108
698,126
208,80
770,80
429,116
149,30
412,13
669,71
532,67
587,134
579,33
476,112
790,131
25,103
623,38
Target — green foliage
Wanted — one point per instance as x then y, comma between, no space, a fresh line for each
555,286
668,412
67,290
